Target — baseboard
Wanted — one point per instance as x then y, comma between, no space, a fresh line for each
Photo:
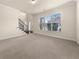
12,36
71,39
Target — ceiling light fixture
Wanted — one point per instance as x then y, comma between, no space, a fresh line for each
34,1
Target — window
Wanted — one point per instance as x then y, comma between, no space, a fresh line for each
51,22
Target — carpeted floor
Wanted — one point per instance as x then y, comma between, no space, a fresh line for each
35,46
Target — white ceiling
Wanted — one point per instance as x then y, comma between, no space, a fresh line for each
40,6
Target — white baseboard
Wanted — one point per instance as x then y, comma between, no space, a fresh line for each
12,36
72,39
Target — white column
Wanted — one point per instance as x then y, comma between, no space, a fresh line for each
77,21
29,26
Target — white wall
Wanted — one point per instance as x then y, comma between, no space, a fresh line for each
77,25
9,22
68,21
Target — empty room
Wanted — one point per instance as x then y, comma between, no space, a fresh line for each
39,29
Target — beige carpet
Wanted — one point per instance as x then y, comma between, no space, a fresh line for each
35,46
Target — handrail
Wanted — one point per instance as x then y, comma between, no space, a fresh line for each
22,22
